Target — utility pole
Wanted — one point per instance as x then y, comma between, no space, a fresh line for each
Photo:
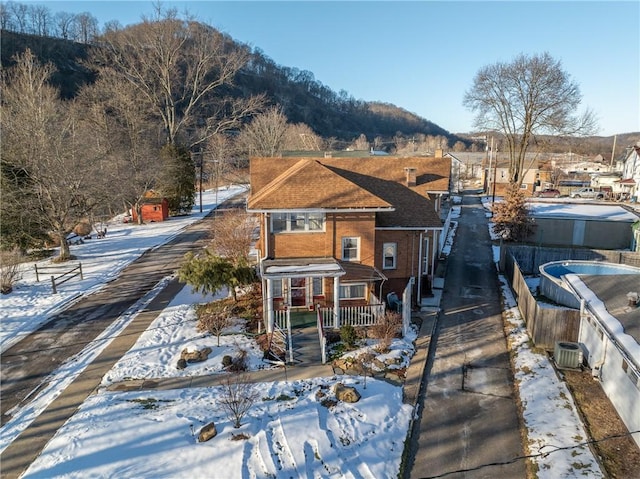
613,151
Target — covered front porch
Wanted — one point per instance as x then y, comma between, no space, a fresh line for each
340,292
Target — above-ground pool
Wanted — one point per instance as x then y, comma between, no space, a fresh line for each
552,286
557,269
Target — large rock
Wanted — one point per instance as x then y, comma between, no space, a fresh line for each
195,356
207,432
346,393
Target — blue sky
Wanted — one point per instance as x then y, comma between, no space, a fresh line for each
423,55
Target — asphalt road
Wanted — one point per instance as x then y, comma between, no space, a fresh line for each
27,365
469,426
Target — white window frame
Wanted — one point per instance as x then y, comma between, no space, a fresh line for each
314,282
276,287
344,247
394,255
348,295
293,221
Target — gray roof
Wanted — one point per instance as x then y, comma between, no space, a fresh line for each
612,291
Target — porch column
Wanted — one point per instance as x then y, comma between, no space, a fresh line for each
336,302
270,319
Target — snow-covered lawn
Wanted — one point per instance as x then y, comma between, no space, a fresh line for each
32,303
294,429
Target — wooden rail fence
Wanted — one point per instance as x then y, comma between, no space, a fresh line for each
63,275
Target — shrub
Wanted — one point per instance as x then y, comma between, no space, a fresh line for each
348,335
214,318
386,328
237,397
10,270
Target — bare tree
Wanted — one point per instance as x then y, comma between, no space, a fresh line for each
63,23
265,135
237,397
233,235
6,22
85,27
176,68
40,19
112,26
532,95
126,138
20,15
40,135
301,137
214,318
360,143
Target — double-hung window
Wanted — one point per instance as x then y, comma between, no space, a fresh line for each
389,255
276,288
297,222
350,248
353,291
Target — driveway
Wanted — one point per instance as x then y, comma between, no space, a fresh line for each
469,425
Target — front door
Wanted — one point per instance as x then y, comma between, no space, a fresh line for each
298,292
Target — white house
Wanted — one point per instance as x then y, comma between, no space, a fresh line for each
628,185
610,335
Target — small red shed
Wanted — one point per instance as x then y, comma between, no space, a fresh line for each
152,209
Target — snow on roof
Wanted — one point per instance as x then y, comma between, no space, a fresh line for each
611,322
582,212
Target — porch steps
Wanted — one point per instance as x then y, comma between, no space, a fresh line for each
306,346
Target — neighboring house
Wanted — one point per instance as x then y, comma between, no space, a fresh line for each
341,232
610,336
607,182
152,209
628,185
466,167
497,180
582,225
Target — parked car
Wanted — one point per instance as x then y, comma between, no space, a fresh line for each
587,193
547,193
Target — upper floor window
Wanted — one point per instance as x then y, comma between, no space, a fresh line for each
297,222
350,248
389,255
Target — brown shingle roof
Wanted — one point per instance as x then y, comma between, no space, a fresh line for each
309,184
281,183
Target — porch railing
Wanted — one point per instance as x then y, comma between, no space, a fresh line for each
406,306
282,320
354,315
321,337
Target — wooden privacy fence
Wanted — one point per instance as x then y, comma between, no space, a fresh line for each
545,325
63,275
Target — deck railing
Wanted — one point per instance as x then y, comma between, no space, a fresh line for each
354,315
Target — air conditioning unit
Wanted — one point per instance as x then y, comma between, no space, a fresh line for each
567,355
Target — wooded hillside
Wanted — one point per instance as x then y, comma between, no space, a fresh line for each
302,98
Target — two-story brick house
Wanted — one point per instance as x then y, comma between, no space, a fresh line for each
345,231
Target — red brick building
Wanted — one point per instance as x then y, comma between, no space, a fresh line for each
346,231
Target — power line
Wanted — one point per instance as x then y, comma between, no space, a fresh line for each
533,456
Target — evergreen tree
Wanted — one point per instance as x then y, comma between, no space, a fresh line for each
177,178
511,218
209,273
